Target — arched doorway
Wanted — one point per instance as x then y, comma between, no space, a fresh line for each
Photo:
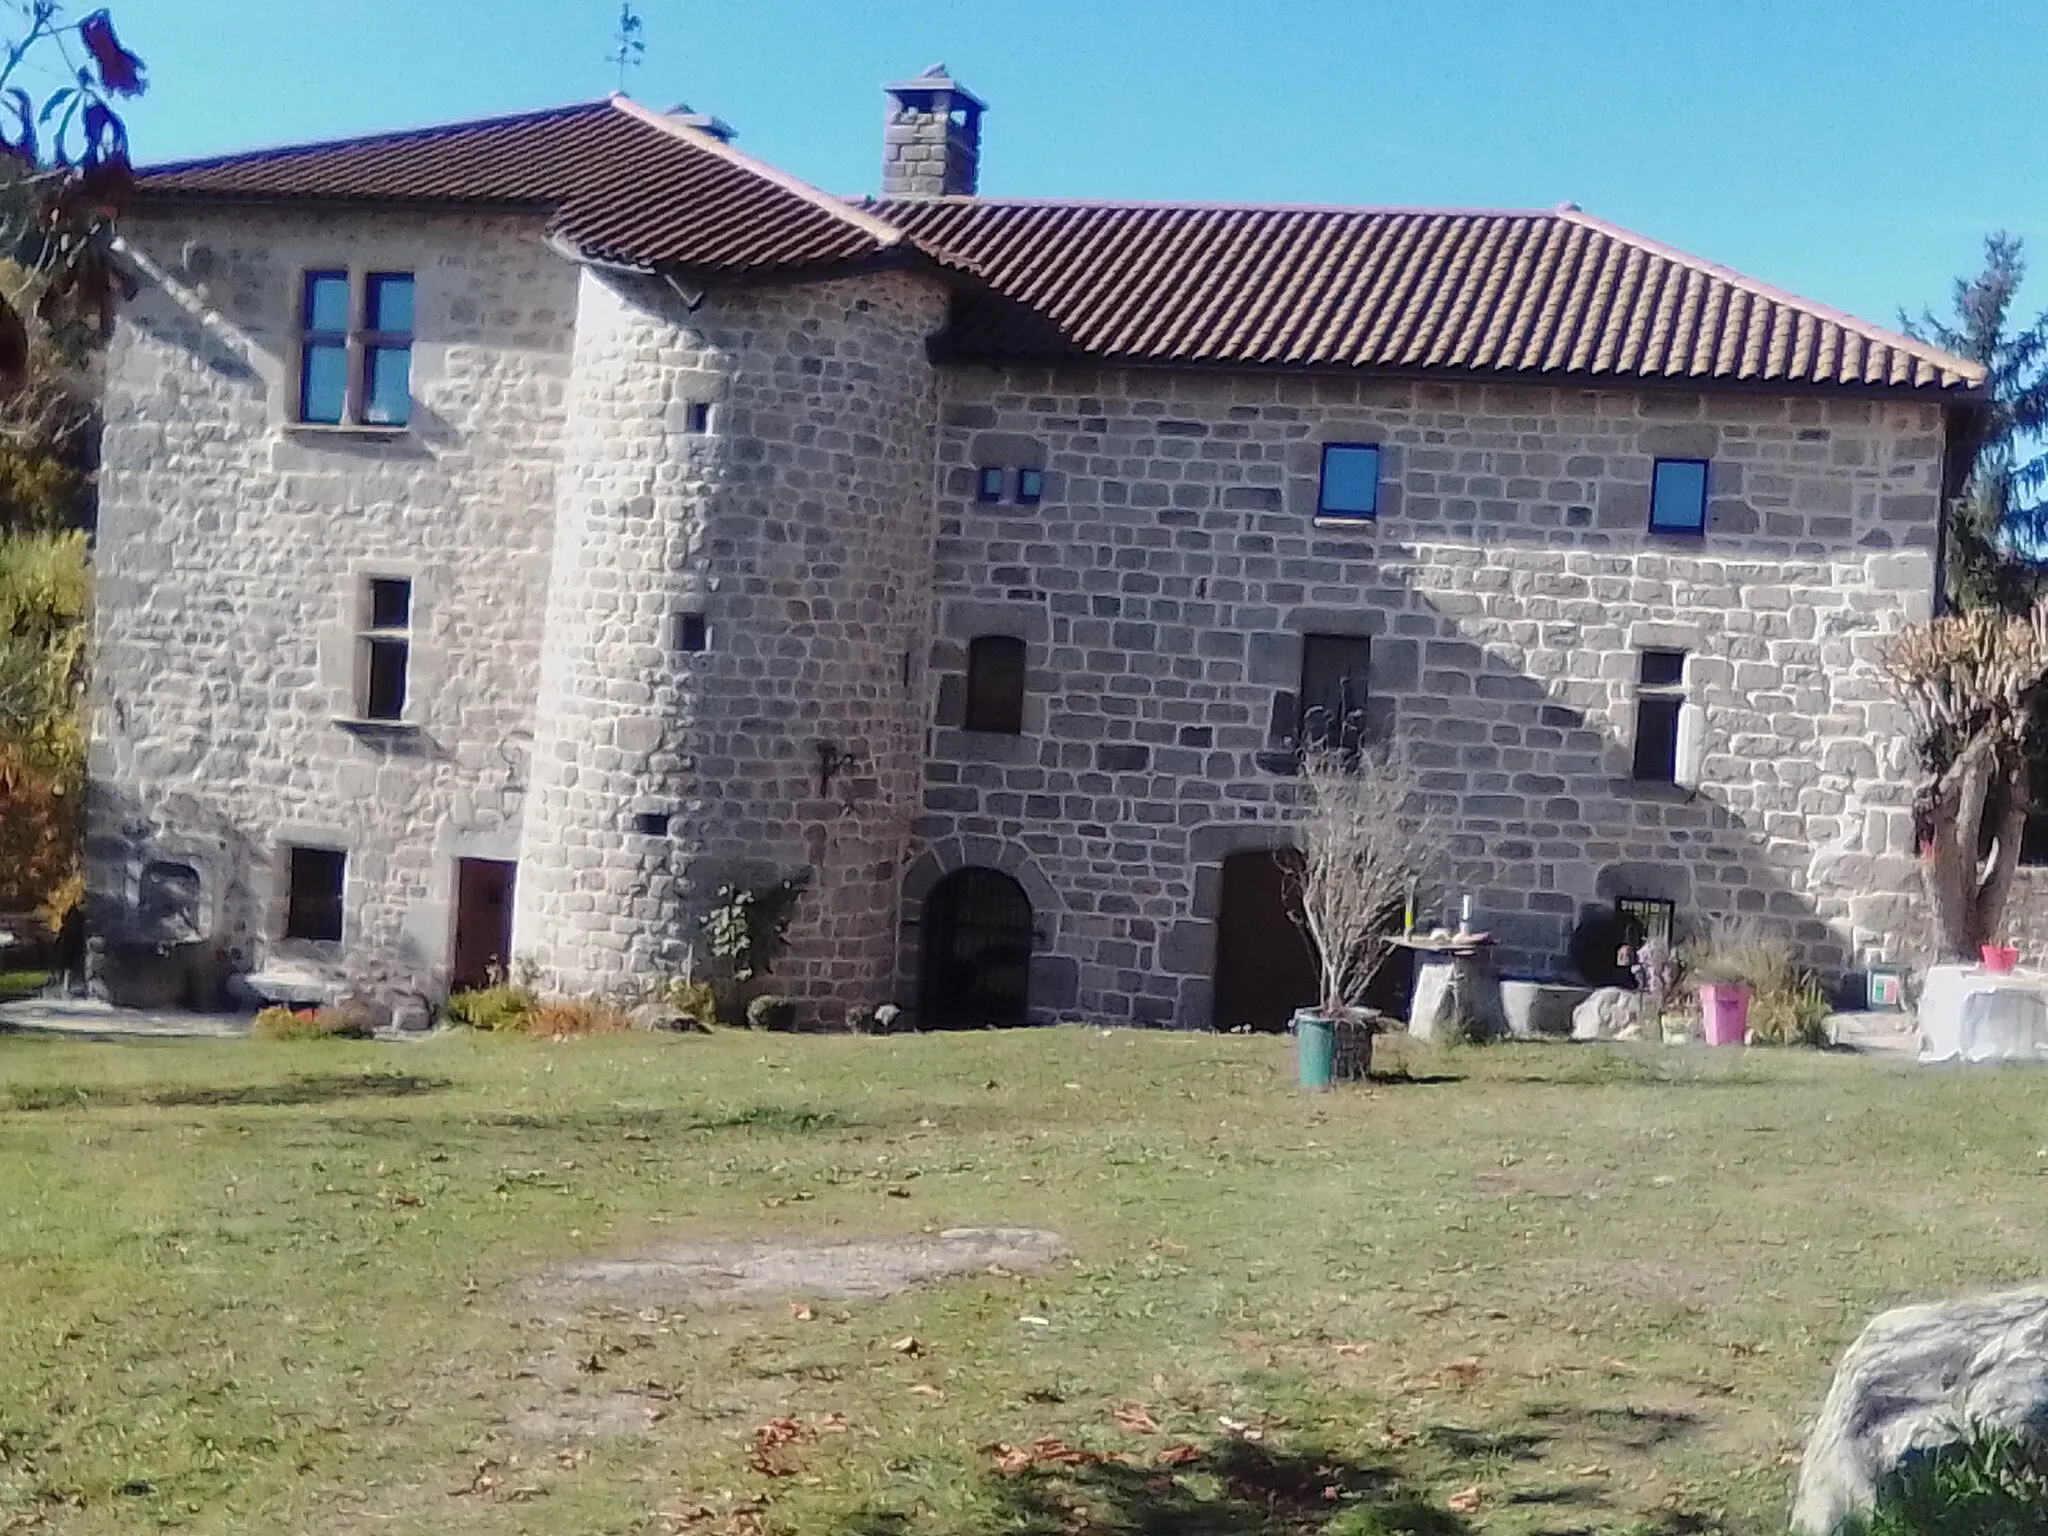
977,952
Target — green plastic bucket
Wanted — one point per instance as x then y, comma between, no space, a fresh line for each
1315,1050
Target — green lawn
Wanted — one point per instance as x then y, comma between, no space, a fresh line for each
290,1288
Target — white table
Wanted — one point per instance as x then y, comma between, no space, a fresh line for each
1969,1014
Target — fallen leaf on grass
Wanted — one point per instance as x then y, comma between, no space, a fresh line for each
907,1345
770,1440
571,1457
1241,1429
1047,1451
1136,1418
1351,1349
1464,1501
1618,1366
802,1311
482,1479
833,1424
926,1389
1466,1370
1594,1469
1179,1454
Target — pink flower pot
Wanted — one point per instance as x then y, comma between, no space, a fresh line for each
1724,1012
1999,959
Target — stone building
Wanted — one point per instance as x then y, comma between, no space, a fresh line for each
516,532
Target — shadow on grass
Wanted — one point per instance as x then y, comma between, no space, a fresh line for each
771,1119
326,1088
1235,1488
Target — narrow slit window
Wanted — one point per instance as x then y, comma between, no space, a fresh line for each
692,632
1660,699
1350,484
1336,671
1030,487
988,483
698,417
1678,496
384,649
387,349
315,879
995,685
323,348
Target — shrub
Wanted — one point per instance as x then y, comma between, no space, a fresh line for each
503,1007
1991,1483
558,1018
771,1012
1787,1005
340,1022
695,1001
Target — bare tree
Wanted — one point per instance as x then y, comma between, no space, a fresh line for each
1971,683
1364,841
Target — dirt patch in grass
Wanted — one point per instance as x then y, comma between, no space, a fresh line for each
695,1272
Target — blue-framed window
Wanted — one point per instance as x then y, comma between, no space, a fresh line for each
1678,496
355,349
988,482
1030,487
323,348
1350,483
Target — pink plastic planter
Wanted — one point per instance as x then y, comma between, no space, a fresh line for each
1724,1013
1999,959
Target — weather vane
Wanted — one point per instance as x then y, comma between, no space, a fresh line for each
628,45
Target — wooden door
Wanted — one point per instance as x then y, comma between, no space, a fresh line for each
483,921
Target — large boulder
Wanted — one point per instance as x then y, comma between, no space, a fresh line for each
1610,1013
1913,1379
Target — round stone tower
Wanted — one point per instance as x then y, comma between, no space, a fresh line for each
730,692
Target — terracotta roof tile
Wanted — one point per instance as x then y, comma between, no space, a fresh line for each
626,186
1518,293
1514,294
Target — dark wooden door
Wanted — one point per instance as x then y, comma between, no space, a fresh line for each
483,921
1264,966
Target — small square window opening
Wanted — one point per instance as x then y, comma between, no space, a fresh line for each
988,483
384,649
1030,487
1678,496
315,879
1350,484
651,823
1657,917
692,632
698,417
1660,697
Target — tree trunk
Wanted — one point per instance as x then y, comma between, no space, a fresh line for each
1967,897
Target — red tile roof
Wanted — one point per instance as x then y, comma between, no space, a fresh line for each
627,186
1522,295
1517,294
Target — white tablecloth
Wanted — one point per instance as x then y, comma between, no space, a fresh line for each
1969,1014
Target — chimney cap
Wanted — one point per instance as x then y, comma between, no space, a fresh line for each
703,122
934,81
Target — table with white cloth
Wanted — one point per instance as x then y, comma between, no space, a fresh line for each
1970,1014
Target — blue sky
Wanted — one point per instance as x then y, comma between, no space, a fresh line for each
1853,151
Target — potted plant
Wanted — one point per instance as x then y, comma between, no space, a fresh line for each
1721,969
1362,844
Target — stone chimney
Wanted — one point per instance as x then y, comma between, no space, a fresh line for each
931,139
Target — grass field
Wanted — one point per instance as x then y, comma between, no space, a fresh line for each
292,1288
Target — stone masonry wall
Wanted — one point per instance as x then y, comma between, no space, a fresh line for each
1164,585
795,517
231,551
